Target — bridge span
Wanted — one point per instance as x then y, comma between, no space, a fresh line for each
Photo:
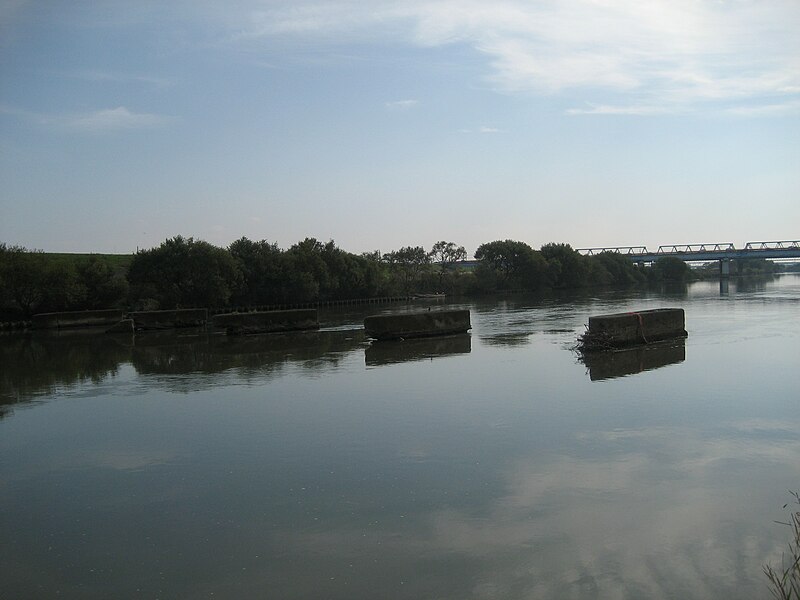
723,252
704,252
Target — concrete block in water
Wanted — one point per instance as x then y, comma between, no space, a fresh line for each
169,319
81,318
631,328
417,324
267,322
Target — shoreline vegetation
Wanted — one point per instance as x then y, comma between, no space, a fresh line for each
784,580
188,273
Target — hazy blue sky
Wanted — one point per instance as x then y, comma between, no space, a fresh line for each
390,123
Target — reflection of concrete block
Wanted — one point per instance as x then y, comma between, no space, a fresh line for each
169,319
619,363
124,326
426,348
640,327
418,324
267,322
81,318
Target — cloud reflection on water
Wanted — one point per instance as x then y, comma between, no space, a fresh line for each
654,512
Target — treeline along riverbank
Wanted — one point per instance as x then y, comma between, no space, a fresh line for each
185,272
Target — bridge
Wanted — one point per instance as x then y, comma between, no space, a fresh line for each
723,252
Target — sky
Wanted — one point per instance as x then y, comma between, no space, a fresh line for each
381,124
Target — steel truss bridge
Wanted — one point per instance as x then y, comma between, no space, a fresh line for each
704,252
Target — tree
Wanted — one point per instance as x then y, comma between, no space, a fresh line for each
184,272
447,254
409,262
670,268
572,270
32,283
613,268
506,257
262,266
98,286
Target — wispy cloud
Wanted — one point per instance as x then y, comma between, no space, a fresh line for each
402,104
481,129
99,121
632,109
636,57
112,119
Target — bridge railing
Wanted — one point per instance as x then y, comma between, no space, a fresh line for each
726,249
782,245
628,250
689,248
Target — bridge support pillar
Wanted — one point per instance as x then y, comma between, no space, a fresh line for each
725,267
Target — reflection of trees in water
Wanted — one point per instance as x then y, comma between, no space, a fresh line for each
256,356
754,283
37,365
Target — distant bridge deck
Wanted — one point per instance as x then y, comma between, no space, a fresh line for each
704,252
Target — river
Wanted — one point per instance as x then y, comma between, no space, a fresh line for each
488,465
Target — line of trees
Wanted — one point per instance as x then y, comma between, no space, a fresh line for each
32,281
185,272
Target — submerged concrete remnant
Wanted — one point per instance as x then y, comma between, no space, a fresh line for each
77,319
271,321
169,319
417,324
631,328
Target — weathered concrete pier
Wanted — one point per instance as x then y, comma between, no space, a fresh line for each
169,319
417,324
267,322
77,319
629,329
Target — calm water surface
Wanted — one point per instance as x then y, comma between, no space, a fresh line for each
489,465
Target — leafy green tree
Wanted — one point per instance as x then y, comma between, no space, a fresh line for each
357,276
572,270
263,269
184,272
533,272
308,270
31,283
508,258
98,285
754,266
22,278
408,263
670,268
613,268
447,254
